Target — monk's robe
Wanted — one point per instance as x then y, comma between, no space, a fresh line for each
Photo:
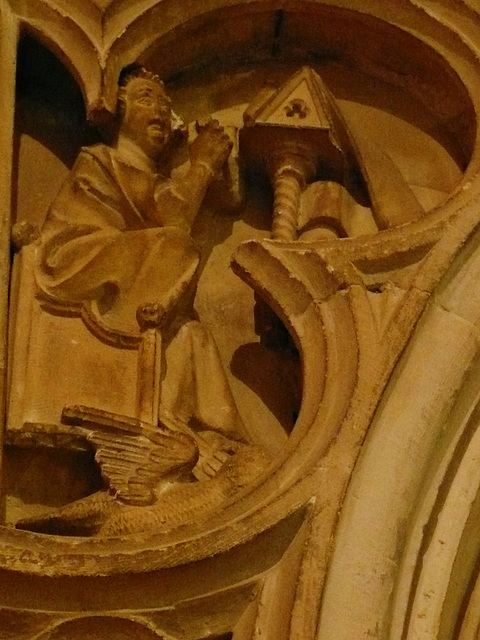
106,243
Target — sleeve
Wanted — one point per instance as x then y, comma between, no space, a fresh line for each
83,220
89,196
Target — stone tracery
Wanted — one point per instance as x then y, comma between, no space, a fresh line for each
350,314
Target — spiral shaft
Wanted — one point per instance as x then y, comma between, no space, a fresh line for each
287,191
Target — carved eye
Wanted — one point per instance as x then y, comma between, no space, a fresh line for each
296,109
145,100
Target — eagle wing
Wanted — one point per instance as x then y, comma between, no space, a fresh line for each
133,456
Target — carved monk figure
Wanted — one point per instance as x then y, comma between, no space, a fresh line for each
117,238
117,242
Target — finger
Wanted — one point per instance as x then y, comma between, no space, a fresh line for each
217,465
221,456
208,467
200,474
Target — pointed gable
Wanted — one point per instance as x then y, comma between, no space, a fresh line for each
303,101
301,112
302,116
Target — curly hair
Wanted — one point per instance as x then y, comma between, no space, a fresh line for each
131,73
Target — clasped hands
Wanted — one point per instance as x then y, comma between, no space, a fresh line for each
211,147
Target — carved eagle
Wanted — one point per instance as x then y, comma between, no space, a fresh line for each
151,473
134,456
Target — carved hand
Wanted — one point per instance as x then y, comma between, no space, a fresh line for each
211,147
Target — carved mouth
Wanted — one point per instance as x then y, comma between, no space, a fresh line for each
159,122
157,129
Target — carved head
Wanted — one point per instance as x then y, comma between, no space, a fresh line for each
145,111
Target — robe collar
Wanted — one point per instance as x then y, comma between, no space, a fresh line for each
128,152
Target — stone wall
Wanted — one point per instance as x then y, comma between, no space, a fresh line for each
240,355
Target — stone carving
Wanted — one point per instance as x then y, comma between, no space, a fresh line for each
290,556
319,171
152,468
116,250
116,244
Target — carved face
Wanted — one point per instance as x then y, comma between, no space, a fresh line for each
146,117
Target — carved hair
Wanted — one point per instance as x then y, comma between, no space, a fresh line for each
137,72
179,129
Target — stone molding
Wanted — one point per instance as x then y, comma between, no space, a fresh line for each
383,457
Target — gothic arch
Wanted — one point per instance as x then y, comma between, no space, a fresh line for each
70,39
406,526
375,576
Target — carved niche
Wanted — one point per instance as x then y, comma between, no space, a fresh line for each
221,248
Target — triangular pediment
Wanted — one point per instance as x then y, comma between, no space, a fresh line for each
303,101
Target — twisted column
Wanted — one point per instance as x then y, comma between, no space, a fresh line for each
287,191
290,172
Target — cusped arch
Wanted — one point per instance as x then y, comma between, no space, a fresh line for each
96,40
199,33
406,545
71,41
378,456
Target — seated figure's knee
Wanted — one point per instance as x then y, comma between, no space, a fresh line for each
196,333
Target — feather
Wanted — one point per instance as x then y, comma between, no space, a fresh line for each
134,456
